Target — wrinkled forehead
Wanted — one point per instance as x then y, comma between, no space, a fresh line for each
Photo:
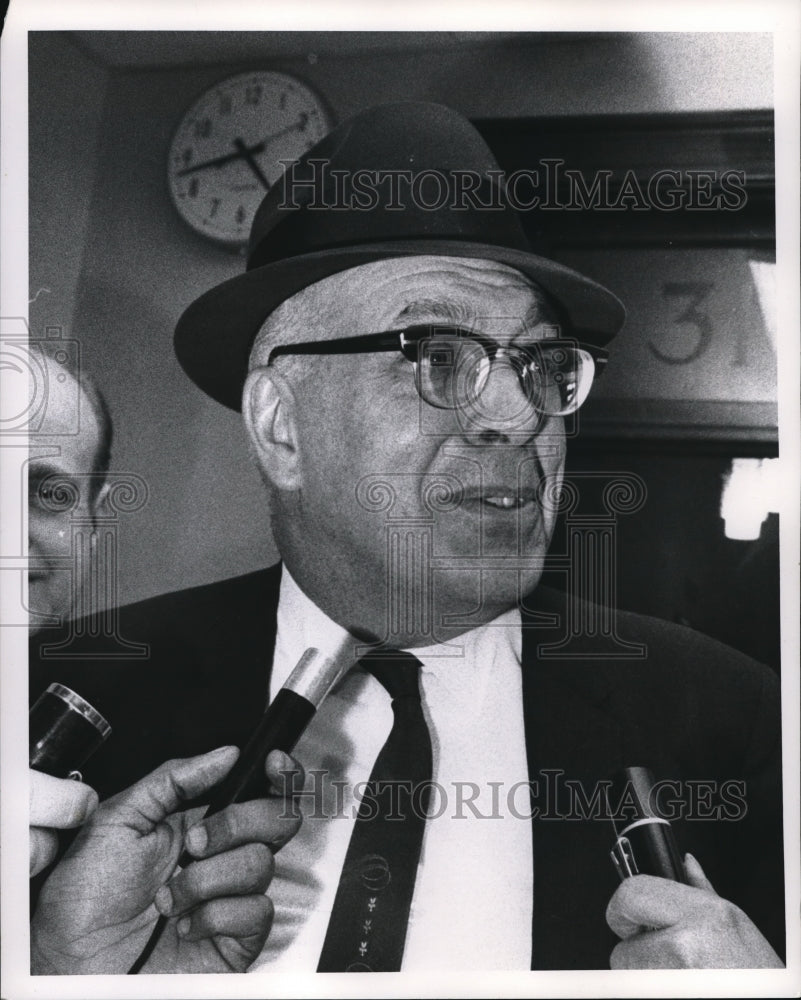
389,293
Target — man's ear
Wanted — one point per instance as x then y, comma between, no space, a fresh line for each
268,408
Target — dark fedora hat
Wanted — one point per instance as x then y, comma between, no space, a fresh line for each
396,180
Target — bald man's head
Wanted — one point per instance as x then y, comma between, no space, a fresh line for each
69,460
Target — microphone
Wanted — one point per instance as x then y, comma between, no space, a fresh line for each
646,844
64,730
280,728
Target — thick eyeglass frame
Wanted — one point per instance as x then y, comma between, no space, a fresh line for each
408,340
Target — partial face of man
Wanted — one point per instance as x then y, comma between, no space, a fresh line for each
60,493
411,521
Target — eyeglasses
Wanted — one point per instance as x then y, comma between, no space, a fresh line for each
452,365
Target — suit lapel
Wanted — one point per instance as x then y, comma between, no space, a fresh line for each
230,661
572,743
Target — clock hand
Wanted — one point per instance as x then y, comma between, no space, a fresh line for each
300,125
246,152
219,161
247,155
243,152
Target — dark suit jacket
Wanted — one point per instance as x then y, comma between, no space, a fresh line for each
689,708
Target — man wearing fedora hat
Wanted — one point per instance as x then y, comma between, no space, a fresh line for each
406,363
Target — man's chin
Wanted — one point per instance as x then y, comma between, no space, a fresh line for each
41,621
470,598
42,614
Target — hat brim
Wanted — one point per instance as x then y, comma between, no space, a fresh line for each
214,335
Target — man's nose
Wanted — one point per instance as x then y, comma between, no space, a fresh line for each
502,411
34,532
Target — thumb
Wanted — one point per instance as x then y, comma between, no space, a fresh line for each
44,847
164,790
286,775
59,803
695,874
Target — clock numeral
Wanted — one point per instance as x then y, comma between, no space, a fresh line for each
186,157
282,102
240,214
695,292
202,128
225,104
193,187
253,93
215,204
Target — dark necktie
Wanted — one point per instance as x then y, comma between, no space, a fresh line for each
367,929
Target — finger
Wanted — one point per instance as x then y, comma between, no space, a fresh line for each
239,926
59,803
717,935
265,821
241,872
622,956
286,775
644,951
44,845
645,901
172,784
695,874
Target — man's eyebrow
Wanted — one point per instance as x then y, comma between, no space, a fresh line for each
450,312
539,312
41,470
456,313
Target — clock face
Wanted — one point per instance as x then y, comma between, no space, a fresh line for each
226,152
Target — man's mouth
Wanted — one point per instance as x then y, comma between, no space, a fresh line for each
503,498
505,502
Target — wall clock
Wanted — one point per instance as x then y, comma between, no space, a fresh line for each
227,149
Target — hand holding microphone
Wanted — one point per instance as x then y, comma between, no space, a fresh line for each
98,909
666,911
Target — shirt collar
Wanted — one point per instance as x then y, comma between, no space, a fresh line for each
301,625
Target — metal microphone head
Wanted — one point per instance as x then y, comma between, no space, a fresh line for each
314,676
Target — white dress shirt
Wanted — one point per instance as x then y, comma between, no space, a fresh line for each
472,903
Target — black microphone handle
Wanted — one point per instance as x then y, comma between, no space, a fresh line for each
280,728
64,730
645,842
